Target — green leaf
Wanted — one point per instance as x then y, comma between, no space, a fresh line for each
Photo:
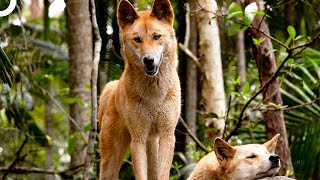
72,100
237,81
234,7
261,13
291,31
247,19
49,140
257,41
72,142
87,127
290,61
246,87
234,14
233,29
288,41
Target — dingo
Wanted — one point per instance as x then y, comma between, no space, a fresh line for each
143,107
251,161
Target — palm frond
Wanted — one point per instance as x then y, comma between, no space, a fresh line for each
6,69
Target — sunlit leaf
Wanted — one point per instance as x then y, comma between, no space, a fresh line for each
233,29
292,32
234,7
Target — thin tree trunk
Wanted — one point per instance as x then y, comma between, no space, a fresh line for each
266,63
240,52
191,96
241,57
49,150
210,59
35,9
48,105
80,65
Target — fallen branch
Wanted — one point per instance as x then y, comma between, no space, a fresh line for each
94,78
23,170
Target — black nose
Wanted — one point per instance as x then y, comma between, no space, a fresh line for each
148,60
274,159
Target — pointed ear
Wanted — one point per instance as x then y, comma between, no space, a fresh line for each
163,11
126,14
223,150
272,143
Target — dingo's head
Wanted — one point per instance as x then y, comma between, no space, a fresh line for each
147,35
252,161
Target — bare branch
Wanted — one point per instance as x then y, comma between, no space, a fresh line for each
23,170
47,93
196,140
17,158
94,78
287,108
187,35
190,54
249,26
273,77
226,117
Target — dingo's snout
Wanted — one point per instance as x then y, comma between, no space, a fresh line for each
151,65
274,159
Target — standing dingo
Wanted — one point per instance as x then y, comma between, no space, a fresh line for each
143,107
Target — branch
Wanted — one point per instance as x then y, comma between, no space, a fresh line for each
190,54
47,93
94,78
184,46
249,26
187,35
287,108
226,117
273,77
196,140
23,170
17,158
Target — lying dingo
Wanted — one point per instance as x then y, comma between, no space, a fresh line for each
246,162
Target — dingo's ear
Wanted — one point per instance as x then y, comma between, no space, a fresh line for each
272,143
224,151
126,14
163,11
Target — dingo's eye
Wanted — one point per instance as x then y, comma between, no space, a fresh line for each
137,39
156,37
252,156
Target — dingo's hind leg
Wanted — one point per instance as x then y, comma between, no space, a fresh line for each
114,142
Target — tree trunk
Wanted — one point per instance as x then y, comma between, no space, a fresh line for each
240,52
80,60
49,150
35,9
241,57
191,95
49,103
210,59
266,63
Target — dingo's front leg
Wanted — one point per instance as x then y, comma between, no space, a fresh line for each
166,149
139,158
153,157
